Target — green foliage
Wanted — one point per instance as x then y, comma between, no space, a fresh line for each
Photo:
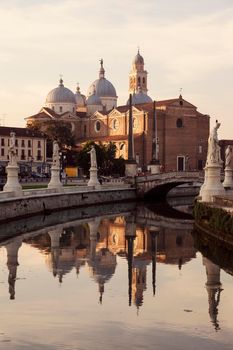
218,219
105,154
55,130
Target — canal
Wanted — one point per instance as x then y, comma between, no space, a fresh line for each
123,276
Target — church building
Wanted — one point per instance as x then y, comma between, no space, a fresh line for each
181,130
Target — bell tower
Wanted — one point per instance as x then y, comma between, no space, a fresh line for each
138,76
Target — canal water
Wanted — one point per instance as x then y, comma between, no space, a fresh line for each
119,276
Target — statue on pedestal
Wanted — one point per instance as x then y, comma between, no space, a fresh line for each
92,153
12,150
213,155
228,155
56,157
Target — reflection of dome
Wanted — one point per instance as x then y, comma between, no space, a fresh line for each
80,99
60,95
138,59
140,97
103,266
60,261
141,263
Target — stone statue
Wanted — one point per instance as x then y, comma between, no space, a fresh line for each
213,155
56,157
93,157
12,150
228,154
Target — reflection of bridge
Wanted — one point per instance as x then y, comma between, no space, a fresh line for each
159,185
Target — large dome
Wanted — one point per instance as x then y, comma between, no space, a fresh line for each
103,88
60,95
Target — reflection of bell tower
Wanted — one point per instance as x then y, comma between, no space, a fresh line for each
138,76
138,284
12,263
130,235
213,287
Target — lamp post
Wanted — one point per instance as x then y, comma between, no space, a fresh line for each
62,166
154,165
30,160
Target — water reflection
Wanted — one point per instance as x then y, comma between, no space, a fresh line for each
141,236
97,244
213,287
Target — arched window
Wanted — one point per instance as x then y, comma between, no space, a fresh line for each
179,123
53,108
143,80
97,126
135,123
139,80
60,108
115,124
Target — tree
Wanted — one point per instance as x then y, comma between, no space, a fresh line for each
105,154
55,130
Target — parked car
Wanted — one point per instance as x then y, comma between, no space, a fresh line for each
38,175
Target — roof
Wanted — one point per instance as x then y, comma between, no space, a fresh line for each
23,132
149,106
46,113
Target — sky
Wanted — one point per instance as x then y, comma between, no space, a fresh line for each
186,44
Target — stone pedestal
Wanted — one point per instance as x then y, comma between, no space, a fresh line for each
154,168
228,180
12,183
212,185
93,178
55,181
205,181
131,169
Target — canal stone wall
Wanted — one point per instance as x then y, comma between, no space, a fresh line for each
14,208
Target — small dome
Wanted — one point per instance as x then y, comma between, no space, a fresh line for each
80,99
138,59
139,97
93,99
60,95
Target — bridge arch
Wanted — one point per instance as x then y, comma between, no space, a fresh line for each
161,191
154,187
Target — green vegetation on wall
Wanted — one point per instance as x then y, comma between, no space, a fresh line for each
216,219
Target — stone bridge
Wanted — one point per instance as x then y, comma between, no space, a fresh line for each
158,185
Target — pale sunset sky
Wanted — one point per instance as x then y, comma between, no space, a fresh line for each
186,44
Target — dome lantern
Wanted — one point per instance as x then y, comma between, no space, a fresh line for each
102,71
